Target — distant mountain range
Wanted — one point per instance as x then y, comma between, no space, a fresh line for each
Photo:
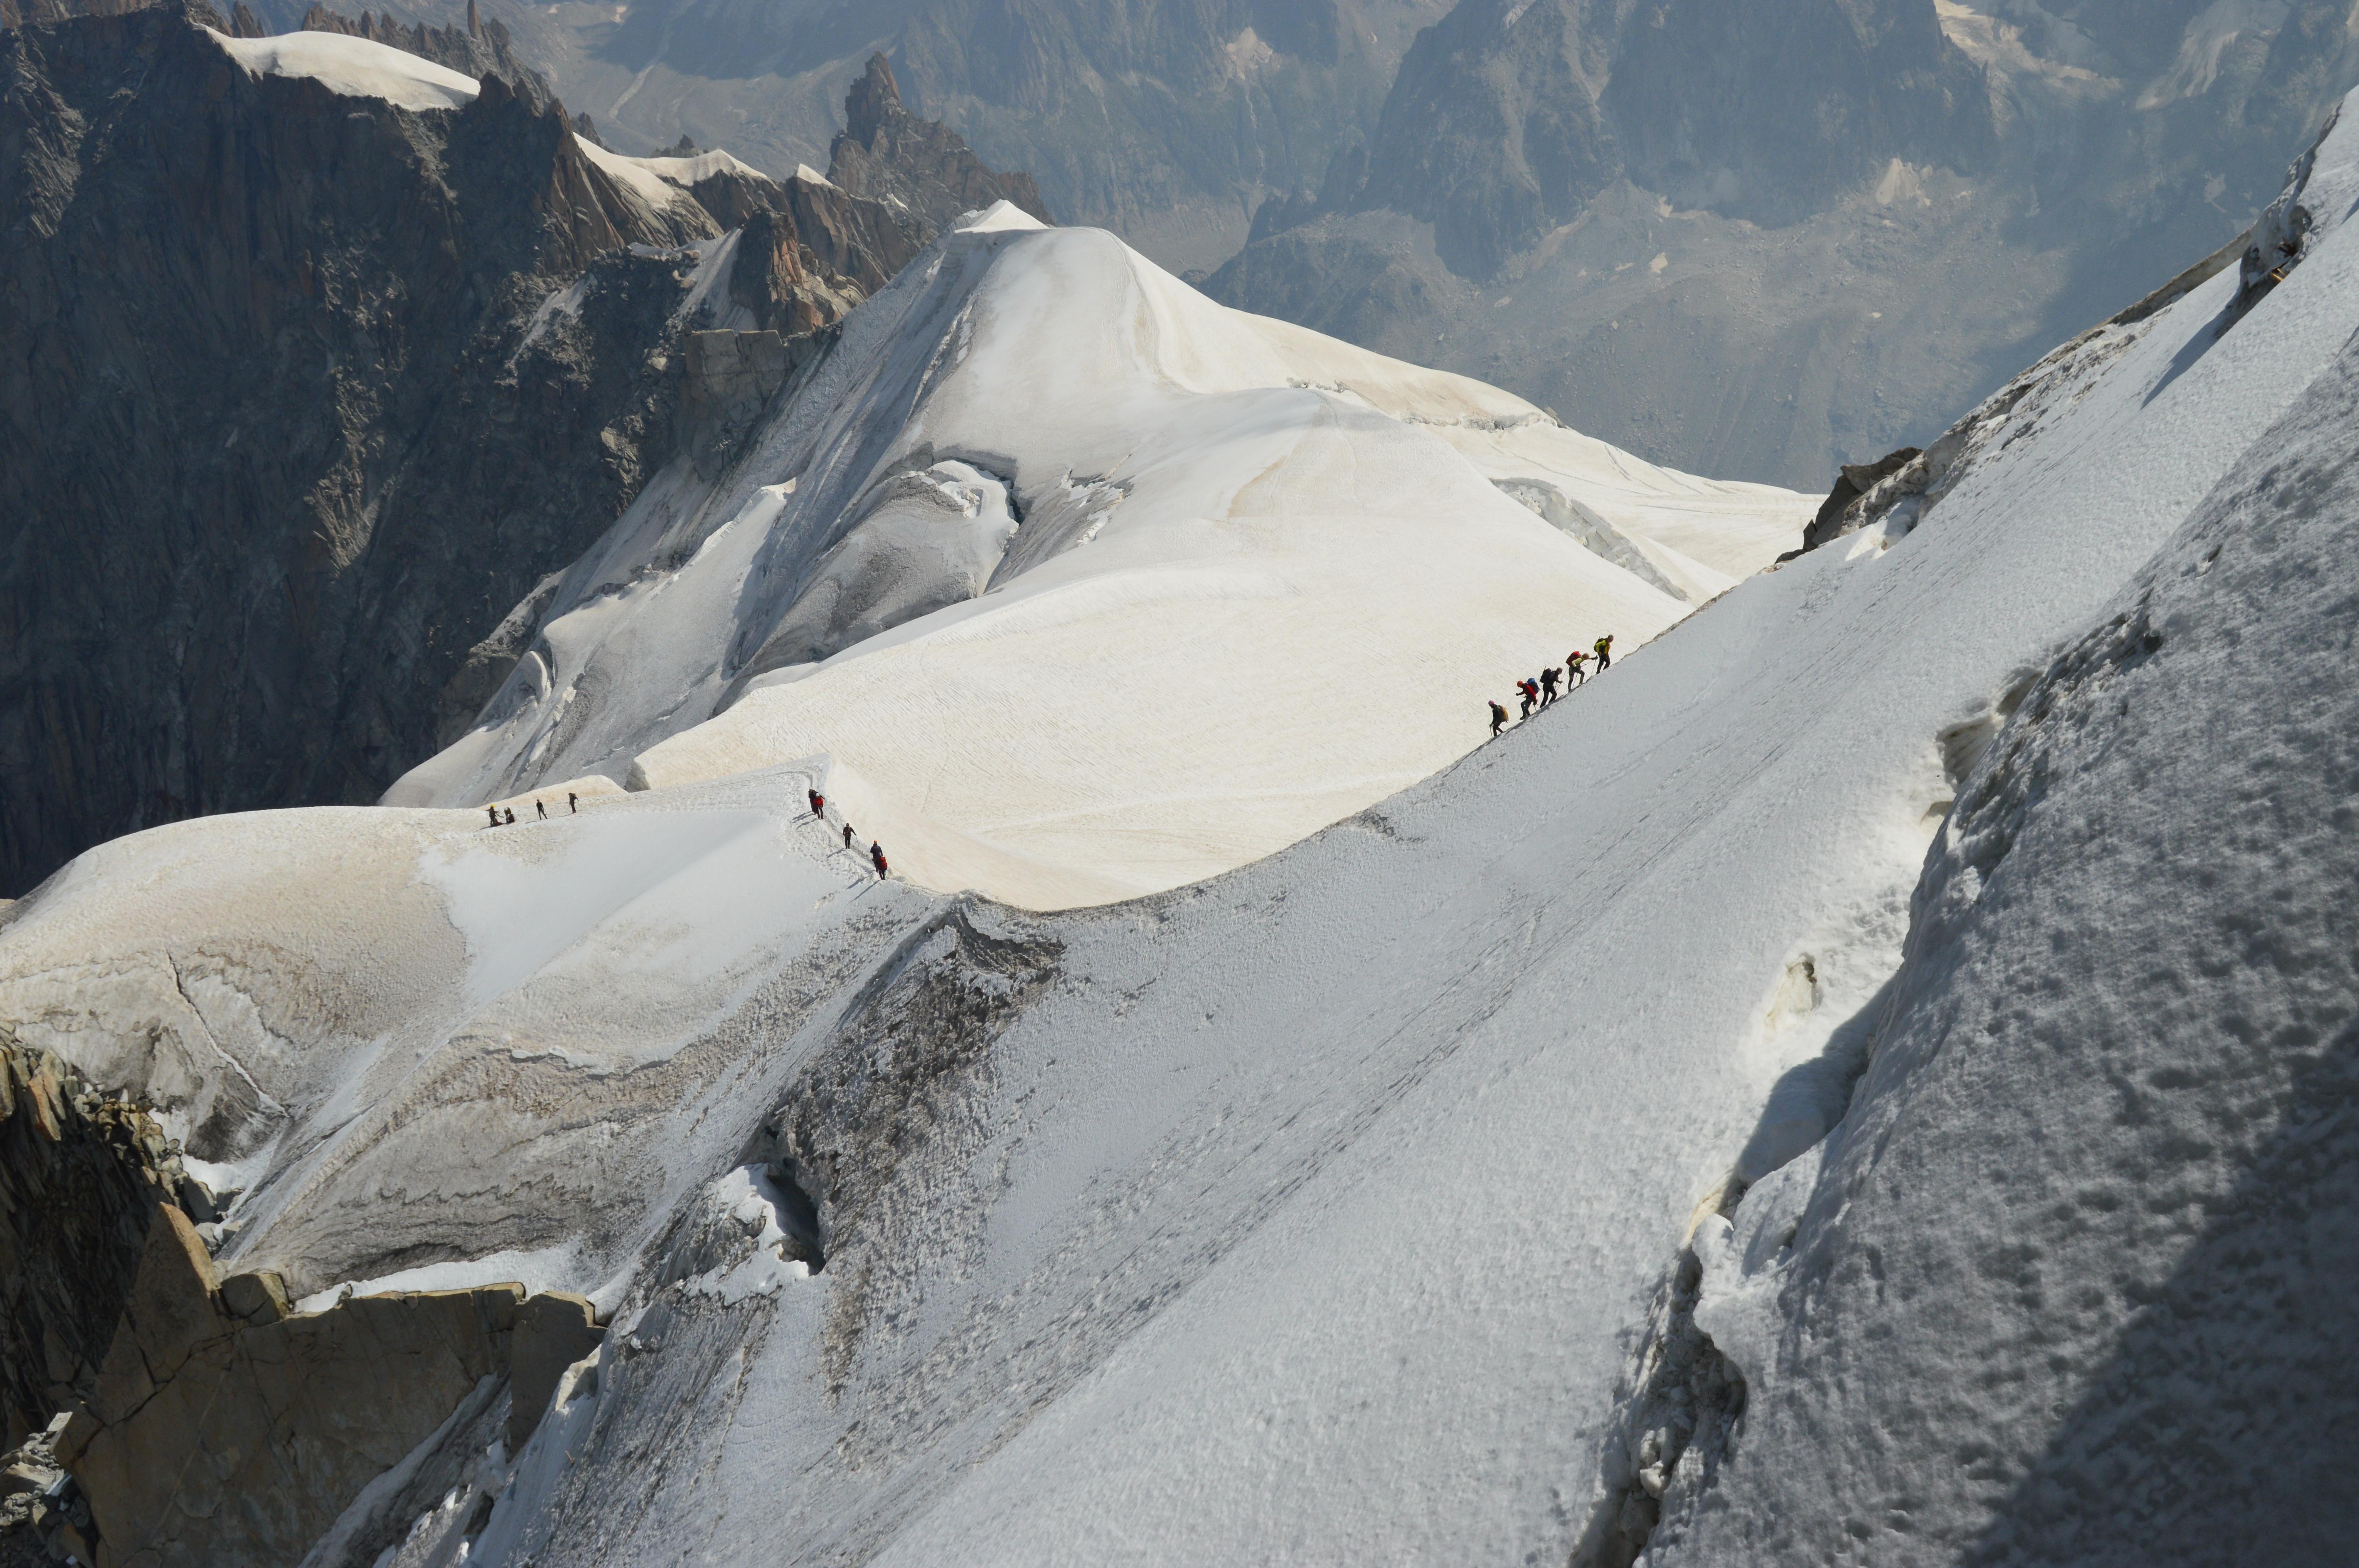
1738,239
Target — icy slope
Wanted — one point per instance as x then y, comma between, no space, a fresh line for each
1316,1212
1306,1216
2135,969
1063,558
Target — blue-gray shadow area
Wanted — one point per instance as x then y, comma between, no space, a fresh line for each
2225,1428
2200,341
1809,1098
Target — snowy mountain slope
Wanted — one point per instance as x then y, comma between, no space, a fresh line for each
1064,558
2133,967
1314,1211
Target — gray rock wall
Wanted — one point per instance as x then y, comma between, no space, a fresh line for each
301,395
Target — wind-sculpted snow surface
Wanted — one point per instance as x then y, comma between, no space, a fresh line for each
1338,1208
1060,556
2133,981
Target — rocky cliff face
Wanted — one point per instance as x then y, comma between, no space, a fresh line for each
226,1427
1507,118
82,1176
263,454
303,392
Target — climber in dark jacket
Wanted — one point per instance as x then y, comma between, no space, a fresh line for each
847,833
877,854
818,803
494,812
1548,685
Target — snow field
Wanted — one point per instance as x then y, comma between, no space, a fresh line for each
1363,1159
360,1006
1212,583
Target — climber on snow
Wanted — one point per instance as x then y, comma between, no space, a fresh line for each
1498,719
847,833
1548,685
1606,653
494,812
572,803
542,809
818,803
1576,668
1531,690
876,856
507,815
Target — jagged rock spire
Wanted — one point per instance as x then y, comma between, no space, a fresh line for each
920,166
872,101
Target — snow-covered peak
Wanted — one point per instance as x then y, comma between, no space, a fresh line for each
998,218
1069,564
358,68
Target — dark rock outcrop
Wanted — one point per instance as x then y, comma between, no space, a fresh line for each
270,467
224,1428
918,166
1852,481
300,394
82,1177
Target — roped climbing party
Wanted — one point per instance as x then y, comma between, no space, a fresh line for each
1540,691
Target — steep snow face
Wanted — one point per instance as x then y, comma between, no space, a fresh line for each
1311,1210
2133,979
358,68
1061,556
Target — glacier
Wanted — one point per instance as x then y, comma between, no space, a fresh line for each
1906,1001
